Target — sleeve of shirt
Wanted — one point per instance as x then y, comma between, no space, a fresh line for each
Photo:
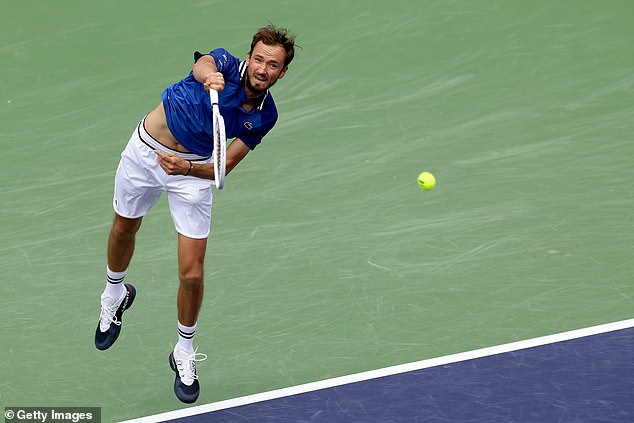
197,55
225,62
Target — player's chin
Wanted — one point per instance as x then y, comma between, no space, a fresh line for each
260,85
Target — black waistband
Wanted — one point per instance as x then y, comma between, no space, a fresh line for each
155,144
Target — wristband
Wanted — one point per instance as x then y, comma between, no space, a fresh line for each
191,166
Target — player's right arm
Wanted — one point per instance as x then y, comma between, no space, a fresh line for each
206,72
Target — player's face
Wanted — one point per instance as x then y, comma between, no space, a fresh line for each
265,66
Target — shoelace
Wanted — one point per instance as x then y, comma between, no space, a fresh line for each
187,366
108,316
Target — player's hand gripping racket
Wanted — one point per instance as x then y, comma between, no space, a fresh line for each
220,141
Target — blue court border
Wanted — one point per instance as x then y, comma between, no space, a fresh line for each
577,376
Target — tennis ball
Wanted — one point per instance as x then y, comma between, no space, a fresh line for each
426,181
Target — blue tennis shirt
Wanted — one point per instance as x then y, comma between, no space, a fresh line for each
189,115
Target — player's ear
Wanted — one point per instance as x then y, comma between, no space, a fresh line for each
283,72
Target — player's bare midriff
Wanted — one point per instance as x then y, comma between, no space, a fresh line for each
156,126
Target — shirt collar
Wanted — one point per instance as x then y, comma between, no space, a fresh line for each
243,71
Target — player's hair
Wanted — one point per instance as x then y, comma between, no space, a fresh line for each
272,35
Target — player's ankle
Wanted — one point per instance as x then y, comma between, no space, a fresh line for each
186,336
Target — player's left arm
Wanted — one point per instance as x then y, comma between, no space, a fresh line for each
173,164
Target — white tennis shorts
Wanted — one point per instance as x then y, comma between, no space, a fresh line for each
140,182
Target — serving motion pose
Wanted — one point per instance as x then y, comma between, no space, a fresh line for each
170,151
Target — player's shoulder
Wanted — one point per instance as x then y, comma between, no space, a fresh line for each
224,59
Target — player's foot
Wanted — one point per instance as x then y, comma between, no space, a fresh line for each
112,309
183,363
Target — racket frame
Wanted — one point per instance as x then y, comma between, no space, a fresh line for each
220,141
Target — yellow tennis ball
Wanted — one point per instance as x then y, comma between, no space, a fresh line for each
426,181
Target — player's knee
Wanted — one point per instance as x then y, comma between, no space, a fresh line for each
123,228
191,279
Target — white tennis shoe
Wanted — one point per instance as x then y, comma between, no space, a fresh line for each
109,325
183,363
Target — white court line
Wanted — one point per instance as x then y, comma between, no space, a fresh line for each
387,371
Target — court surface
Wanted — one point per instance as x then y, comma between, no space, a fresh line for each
326,260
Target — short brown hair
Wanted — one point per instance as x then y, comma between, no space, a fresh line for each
272,35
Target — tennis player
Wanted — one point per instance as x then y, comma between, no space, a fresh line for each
170,151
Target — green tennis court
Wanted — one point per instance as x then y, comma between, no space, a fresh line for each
325,258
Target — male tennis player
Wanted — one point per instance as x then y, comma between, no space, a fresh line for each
170,151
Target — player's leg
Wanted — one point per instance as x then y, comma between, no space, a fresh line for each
137,189
191,256
190,201
117,295
121,242
190,204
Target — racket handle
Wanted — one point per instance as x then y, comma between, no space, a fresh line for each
213,96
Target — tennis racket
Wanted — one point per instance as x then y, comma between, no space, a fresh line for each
220,141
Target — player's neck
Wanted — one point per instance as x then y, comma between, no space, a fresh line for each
253,98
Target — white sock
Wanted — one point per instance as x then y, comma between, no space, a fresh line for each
186,336
114,283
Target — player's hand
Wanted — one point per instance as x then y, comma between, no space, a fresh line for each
172,164
216,81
